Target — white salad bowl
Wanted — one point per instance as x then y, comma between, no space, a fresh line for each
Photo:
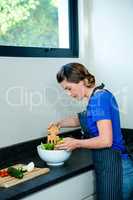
53,157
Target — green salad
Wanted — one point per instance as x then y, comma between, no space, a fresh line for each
51,146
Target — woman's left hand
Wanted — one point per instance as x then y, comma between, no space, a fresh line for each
69,144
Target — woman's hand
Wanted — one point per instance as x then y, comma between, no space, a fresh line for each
58,124
54,128
69,144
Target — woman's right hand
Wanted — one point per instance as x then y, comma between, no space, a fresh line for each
54,127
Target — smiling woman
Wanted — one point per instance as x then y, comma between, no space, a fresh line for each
22,35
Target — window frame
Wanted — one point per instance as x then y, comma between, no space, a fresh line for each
71,52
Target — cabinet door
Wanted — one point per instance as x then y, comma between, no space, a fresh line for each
76,188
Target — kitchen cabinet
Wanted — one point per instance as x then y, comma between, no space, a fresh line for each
80,187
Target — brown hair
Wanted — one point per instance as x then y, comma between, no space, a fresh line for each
74,73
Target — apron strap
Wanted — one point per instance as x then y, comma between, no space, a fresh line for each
100,87
82,116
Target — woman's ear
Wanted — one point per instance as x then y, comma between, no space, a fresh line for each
85,82
81,82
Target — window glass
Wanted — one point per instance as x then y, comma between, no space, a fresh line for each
39,28
34,23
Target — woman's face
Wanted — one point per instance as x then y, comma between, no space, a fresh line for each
75,90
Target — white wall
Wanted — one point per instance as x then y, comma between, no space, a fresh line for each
31,83
112,50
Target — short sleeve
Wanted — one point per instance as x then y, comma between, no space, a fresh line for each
100,106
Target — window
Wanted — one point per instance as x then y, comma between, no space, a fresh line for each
39,28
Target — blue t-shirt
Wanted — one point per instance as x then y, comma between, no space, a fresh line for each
101,106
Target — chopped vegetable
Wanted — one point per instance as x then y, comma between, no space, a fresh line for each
60,140
17,173
29,167
47,146
22,169
51,146
4,173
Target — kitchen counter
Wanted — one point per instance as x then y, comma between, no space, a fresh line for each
79,162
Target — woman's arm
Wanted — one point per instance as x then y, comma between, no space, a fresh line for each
67,123
102,141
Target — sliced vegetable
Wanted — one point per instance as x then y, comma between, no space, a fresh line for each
28,167
17,173
4,173
21,169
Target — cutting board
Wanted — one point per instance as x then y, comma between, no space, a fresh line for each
9,181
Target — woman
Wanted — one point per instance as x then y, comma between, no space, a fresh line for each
101,125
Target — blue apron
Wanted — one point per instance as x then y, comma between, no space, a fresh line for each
107,164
